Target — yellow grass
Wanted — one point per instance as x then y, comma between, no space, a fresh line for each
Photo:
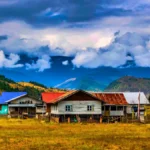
31,85
35,135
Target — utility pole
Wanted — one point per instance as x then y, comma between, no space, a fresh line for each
139,106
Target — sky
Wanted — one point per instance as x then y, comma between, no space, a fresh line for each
94,32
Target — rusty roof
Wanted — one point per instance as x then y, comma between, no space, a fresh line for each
112,98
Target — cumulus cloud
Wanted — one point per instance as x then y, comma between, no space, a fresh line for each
10,62
41,64
56,41
93,59
129,46
66,62
143,60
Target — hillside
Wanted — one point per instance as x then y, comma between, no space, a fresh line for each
129,83
33,89
84,83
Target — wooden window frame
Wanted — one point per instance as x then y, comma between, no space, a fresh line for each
68,108
90,107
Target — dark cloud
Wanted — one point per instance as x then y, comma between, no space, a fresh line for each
3,37
47,12
117,33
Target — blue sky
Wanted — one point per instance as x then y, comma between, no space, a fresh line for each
95,32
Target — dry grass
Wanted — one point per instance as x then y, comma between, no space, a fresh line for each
31,134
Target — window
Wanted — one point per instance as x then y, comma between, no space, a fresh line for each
90,107
106,108
113,107
102,108
0,107
68,107
119,107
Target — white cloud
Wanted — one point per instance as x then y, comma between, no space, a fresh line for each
29,39
116,54
10,62
65,62
41,64
93,59
77,42
143,60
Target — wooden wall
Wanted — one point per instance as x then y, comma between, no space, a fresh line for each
79,107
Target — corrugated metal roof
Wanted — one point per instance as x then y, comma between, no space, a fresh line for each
112,98
9,96
132,98
118,98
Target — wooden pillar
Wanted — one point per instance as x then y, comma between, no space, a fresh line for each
18,112
101,119
79,119
68,119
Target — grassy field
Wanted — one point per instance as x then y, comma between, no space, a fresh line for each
36,135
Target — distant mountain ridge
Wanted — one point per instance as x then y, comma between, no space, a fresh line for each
33,89
129,83
84,83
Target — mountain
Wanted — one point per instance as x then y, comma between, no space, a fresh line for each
84,83
129,83
33,89
86,78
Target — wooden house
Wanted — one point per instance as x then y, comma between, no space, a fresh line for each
134,99
85,106
123,104
73,106
115,103
20,104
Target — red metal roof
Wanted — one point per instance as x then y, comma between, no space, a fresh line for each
49,97
112,98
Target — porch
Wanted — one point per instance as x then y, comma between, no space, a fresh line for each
113,110
22,110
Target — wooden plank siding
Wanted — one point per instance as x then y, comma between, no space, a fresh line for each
78,106
48,108
80,96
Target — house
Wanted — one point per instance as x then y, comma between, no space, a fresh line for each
19,104
73,106
133,99
115,104
123,104
82,106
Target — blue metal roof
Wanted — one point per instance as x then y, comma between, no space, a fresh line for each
8,96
